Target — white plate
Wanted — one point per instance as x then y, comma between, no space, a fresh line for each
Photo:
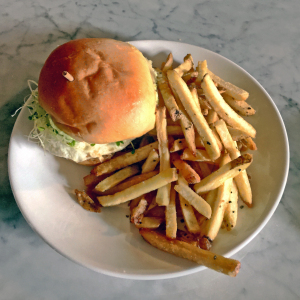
42,185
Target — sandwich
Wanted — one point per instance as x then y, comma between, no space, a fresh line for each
94,97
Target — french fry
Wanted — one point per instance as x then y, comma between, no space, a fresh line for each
202,70
229,170
169,63
91,180
169,100
163,146
116,178
204,169
171,216
151,162
163,193
171,130
212,116
200,123
189,216
223,109
87,202
152,204
124,160
134,202
201,155
220,145
231,90
241,179
196,167
163,178
189,76
185,169
231,210
241,107
185,66
185,250
210,199
128,183
178,145
192,198
149,222
204,104
237,134
194,93
224,191
138,211
249,143
186,124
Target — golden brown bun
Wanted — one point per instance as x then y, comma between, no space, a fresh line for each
112,97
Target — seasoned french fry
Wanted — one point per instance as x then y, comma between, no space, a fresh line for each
189,76
127,183
87,202
204,104
149,222
116,178
199,121
189,216
185,66
163,193
231,90
241,107
194,199
212,116
249,143
185,169
241,179
151,161
163,178
202,70
210,199
194,94
237,134
231,210
138,211
223,109
171,130
185,250
163,146
124,160
169,100
224,191
186,124
169,63
204,169
152,204
134,202
171,215
227,171
91,180
201,155
217,137
178,145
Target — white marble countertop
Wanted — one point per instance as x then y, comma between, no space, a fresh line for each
263,37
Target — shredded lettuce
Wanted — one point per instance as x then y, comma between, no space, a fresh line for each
52,139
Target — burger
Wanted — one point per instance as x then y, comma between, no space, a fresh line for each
94,97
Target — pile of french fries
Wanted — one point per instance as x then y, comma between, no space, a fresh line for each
190,170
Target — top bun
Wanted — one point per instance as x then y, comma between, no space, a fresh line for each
112,96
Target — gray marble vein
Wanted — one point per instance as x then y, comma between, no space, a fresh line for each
263,37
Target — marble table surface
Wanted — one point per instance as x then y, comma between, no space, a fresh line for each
263,37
